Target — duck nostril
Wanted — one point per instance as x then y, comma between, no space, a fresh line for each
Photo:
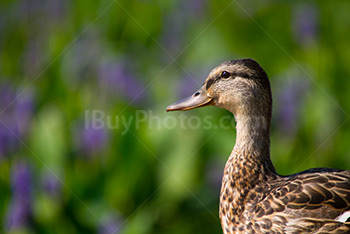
196,94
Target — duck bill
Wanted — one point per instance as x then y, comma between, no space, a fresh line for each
198,99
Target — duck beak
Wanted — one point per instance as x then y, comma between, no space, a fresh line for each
198,99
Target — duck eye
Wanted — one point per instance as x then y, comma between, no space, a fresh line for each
225,74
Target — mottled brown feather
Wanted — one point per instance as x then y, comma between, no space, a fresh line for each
260,200
253,197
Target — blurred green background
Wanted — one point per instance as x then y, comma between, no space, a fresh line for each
148,171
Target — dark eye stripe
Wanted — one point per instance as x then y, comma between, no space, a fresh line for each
233,75
240,74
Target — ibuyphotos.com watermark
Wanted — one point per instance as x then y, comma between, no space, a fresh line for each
97,119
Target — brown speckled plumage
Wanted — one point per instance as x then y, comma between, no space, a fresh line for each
254,198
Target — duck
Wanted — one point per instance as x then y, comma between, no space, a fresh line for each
254,198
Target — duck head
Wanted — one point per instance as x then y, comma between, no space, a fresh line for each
239,86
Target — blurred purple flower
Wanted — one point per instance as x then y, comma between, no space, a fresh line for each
7,94
289,102
8,132
174,31
305,24
39,13
80,65
117,79
21,178
56,9
33,58
52,185
90,141
196,6
18,214
176,22
15,113
19,210
112,225
23,111
187,87
27,8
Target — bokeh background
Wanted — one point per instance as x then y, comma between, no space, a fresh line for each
61,59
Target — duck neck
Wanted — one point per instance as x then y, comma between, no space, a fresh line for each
251,152
253,142
253,135
248,167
